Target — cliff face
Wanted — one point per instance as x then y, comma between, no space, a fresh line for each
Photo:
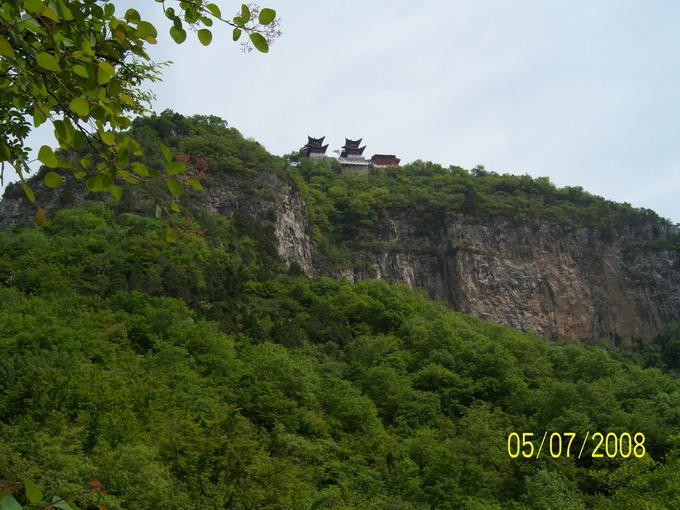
268,199
264,199
541,277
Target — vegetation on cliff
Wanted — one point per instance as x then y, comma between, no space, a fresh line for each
342,205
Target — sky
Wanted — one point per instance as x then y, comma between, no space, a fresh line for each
582,91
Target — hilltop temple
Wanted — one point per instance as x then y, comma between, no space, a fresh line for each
351,156
315,147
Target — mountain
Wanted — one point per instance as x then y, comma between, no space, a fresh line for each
510,249
265,360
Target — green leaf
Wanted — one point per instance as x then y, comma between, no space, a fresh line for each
259,42
214,10
52,179
123,156
121,122
38,117
127,99
176,188
170,235
107,137
34,6
120,32
166,153
80,106
33,492
79,140
174,168
80,71
267,16
64,11
49,13
159,211
46,156
7,502
174,206
47,61
97,112
64,130
140,169
179,35
62,504
114,88
146,30
106,181
205,36
116,192
28,191
195,183
104,72
132,15
237,33
5,152
245,13
6,49
39,219
107,68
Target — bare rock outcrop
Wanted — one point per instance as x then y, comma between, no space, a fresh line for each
537,276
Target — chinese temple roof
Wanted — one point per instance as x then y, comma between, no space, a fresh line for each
314,146
351,148
314,142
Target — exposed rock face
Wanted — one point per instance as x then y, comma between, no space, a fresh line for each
554,280
536,276
263,199
268,199
15,207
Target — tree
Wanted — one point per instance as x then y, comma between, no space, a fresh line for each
79,65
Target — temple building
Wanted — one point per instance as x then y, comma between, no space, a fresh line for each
352,149
351,157
314,147
385,160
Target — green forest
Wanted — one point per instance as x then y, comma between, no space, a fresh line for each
207,374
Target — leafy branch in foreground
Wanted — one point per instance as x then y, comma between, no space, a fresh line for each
33,495
80,66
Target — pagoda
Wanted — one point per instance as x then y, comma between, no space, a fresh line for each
352,149
314,147
351,158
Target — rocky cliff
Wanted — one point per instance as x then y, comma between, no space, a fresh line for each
268,199
533,275
536,276
542,277
264,199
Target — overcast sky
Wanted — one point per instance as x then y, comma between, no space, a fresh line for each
585,92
